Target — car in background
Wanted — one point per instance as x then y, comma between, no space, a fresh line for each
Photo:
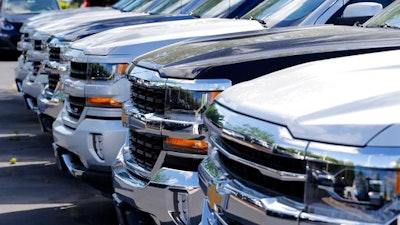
14,13
170,10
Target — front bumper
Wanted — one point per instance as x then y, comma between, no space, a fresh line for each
90,148
77,150
32,86
81,141
230,201
171,196
48,108
21,71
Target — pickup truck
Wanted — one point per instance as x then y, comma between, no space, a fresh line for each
316,143
172,86
170,10
63,20
47,104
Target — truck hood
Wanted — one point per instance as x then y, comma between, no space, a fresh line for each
18,18
134,39
44,18
97,27
82,19
349,100
210,57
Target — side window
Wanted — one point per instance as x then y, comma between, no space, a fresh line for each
339,19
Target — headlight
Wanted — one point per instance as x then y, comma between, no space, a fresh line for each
106,71
4,25
98,71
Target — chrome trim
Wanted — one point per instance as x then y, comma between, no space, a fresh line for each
267,171
152,78
73,169
244,202
342,184
181,117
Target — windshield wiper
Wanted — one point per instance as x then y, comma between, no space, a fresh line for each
259,20
195,15
384,25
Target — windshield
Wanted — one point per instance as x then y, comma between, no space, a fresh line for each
170,7
29,6
136,6
121,3
389,17
216,8
282,13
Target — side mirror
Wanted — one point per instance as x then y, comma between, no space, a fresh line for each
362,9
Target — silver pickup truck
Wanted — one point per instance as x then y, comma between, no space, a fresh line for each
88,131
172,86
312,144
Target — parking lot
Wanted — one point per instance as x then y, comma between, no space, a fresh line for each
33,190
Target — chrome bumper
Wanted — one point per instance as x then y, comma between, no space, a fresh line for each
170,197
229,200
48,107
101,180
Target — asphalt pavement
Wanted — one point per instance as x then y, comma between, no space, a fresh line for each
32,190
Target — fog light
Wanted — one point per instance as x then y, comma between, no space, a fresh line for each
98,145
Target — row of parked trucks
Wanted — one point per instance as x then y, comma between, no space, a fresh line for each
183,112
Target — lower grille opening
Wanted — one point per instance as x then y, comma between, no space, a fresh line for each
179,163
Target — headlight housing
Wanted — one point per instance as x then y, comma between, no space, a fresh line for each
5,25
98,71
106,71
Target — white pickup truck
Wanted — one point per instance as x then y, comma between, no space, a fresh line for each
316,143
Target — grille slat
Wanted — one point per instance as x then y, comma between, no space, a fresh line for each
55,54
78,70
76,106
53,80
145,148
38,45
36,68
148,99
291,189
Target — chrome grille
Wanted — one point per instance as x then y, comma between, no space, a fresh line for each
54,54
291,189
36,67
78,70
148,99
145,148
38,45
25,36
75,106
53,80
